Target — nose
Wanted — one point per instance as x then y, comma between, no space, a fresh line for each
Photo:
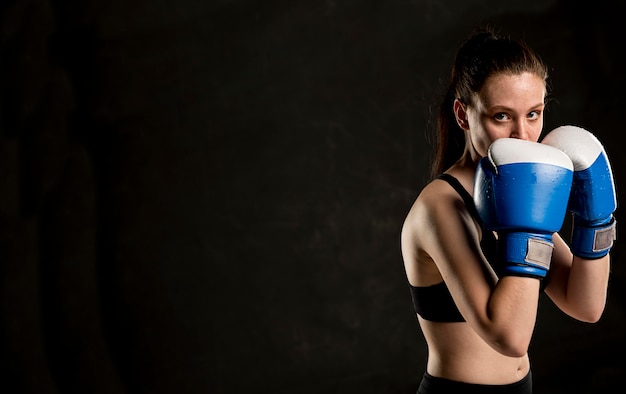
520,130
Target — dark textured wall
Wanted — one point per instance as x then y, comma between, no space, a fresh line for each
206,197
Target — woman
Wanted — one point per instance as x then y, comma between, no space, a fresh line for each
477,326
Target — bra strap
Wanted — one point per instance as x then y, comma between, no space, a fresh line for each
467,199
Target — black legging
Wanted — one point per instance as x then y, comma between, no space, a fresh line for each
434,385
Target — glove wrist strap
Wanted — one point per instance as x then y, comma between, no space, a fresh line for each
525,254
593,242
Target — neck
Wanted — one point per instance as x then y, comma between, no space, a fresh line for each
469,160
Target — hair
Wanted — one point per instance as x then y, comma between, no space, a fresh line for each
482,55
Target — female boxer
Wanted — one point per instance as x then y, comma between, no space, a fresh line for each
476,261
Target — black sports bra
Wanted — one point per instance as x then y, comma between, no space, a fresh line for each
435,303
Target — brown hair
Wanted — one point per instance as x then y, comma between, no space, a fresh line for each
482,55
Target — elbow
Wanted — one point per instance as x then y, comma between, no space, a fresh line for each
516,350
588,313
513,344
591,316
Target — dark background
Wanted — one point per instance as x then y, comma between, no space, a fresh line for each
206,197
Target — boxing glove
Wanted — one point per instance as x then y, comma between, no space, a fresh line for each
521,191
592,200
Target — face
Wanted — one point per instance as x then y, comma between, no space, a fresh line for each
508,106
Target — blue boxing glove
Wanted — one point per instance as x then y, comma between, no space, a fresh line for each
521,191
593,199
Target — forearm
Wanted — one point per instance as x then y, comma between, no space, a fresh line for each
512,313
587,288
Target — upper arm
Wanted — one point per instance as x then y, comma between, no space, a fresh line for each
452,240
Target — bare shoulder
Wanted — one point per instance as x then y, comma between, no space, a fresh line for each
429,219
436,201
439,213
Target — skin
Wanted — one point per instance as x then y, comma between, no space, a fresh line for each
441,242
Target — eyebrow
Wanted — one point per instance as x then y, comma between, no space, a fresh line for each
504,107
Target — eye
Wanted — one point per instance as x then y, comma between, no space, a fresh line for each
501,116
534,115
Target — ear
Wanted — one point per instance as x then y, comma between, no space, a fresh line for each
460,114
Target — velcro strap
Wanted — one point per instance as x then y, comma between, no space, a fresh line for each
603,237
593,242
539,252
